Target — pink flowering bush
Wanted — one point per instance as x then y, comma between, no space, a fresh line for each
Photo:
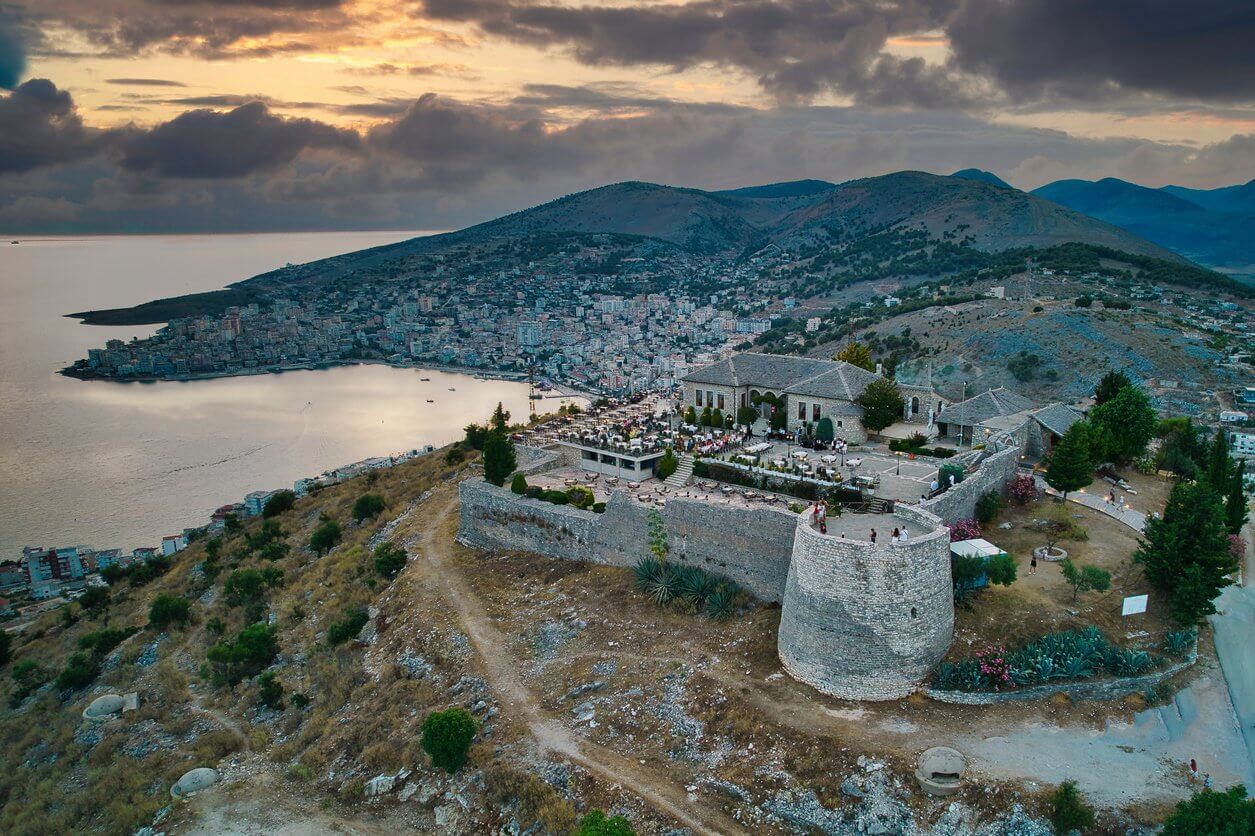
964,530
1237,547
1022,489
993,664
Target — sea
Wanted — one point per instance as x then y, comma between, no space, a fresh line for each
119,465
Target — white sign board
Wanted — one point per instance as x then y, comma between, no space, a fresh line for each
1134,604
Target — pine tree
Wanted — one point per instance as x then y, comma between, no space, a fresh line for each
1070,466
1110,386
1185,552
1236,510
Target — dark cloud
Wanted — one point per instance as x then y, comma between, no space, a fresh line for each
795,48
1100,48
12,53
440,163
205,28
39,127
207,144
144,82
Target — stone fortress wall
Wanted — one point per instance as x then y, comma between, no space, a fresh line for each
857,620
863,621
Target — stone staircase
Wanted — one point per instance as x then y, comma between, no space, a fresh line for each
683,474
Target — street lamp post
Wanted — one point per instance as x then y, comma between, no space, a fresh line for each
898,468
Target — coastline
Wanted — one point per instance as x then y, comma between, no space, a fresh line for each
562,390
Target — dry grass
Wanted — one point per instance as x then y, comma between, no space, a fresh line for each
537,800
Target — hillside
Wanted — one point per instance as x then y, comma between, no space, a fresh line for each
650,221
1111,197
982,176
1213,227
1225,199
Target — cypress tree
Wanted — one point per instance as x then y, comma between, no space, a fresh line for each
1236,510
1070,466
1218,465
1185,553
499,459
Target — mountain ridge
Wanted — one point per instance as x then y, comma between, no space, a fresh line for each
799,216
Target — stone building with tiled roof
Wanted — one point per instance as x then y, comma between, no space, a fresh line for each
806,388
1001,410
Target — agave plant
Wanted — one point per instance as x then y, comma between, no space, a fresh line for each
1177,642
1077,667
695,585
646,570
720,602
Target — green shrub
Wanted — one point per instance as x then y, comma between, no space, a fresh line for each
534,492
278,502
27,675
599,507
988,505
447,737
557,497
80,669
948,470
1068,811
270,691
667,465
325,537
347,627
368,505
1178,642
595,823
519,484
101,642
169,609
389,559
247,655
1210,813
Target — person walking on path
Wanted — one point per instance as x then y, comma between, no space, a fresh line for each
873,536
896,535
1193,770
1032,564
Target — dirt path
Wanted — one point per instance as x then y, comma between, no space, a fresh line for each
223,720
502,672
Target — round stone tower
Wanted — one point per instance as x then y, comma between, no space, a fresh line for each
866,622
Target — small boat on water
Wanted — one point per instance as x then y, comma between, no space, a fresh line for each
451,389
429,400
425,379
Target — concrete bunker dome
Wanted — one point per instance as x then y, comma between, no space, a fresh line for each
867,621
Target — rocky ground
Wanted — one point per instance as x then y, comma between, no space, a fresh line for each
590,696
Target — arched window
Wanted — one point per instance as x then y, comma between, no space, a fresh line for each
913,613
915,405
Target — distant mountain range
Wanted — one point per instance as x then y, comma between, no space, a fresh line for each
807,217
1215,227
813,213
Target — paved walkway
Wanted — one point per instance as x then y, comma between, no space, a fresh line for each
1135,520
1234,624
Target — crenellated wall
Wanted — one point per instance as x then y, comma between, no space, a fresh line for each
863,621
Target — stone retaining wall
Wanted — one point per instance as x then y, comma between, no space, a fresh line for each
863,621
1108,689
